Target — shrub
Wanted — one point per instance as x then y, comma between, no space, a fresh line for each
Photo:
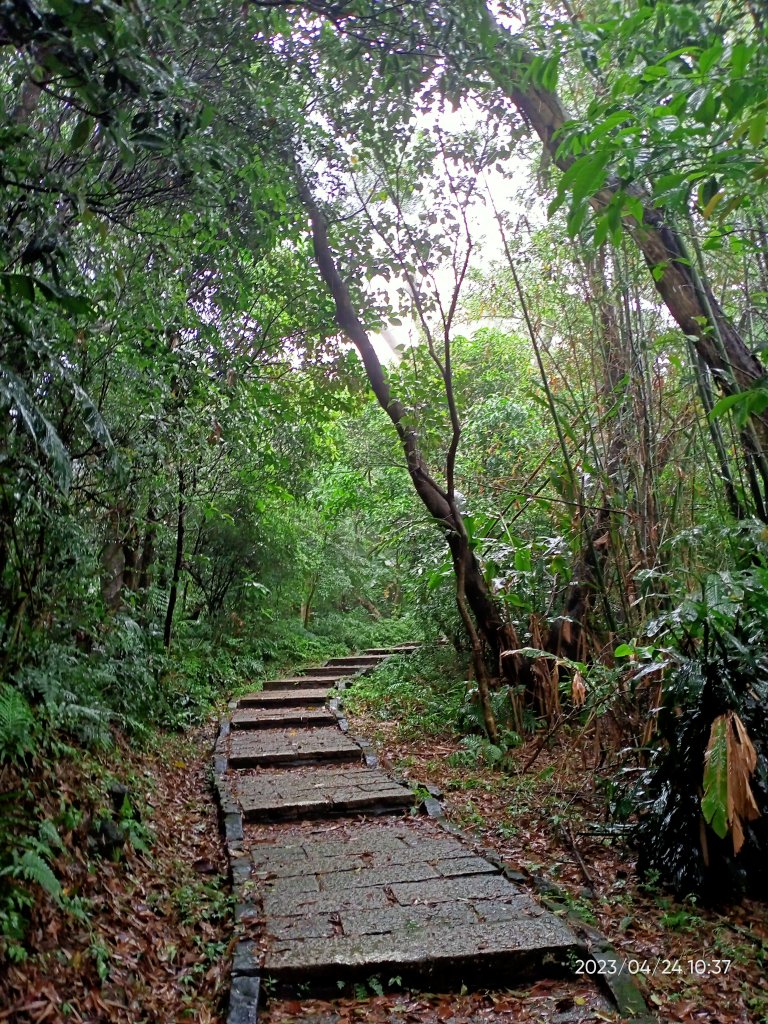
692,807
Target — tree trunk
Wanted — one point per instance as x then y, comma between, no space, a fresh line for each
147,552
113,563
690,301
178,561
306,604
498,635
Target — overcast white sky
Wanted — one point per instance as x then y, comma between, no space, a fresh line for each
487,244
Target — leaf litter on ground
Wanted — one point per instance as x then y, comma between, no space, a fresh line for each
152,942
551,823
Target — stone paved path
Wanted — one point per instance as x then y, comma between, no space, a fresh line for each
342,886
401,899
281,717
297,696
301,745
307,793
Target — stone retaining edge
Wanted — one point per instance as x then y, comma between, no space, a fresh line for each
245,976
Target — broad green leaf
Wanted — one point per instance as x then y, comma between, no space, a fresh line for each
757,124
38,427
727,402
82,132
714,802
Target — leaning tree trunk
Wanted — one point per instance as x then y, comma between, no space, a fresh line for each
690,300
497,634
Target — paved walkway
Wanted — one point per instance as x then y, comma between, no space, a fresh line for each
337,881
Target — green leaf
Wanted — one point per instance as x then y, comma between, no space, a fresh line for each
523,561
38,427
710,57
624,651
602,230
613,121
741,54
149,140
21,286
654,72
714,802
757,124
206,116
726,403
81,133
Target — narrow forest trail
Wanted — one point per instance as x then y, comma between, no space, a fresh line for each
338,884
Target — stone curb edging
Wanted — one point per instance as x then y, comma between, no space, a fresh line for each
245,985
621,988
245,977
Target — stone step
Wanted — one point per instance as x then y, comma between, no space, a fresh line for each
388,651
311,696
301,681
281,718
250,749
394,899
330,671
359,661
318,793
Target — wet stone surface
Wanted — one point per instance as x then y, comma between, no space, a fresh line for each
291,746
270,718
349,900
330,671
303,697
312,679
270,795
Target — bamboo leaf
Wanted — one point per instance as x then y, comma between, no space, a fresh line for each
38,427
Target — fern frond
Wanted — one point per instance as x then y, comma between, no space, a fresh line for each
32,868
17,724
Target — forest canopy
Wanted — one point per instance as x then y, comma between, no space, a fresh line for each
338,322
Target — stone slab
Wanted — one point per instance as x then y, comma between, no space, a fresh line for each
359,660
514,947
312,793
399,649
395,899
280,718
291,746
299,859
330,671
300,681
311,696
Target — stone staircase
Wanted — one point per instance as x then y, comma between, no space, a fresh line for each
344,882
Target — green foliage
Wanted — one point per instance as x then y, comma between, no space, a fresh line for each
17,724
714,668
357,630
423,692
682,106
25,872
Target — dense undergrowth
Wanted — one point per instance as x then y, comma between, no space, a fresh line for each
559,813
115,898
673,789
87,716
